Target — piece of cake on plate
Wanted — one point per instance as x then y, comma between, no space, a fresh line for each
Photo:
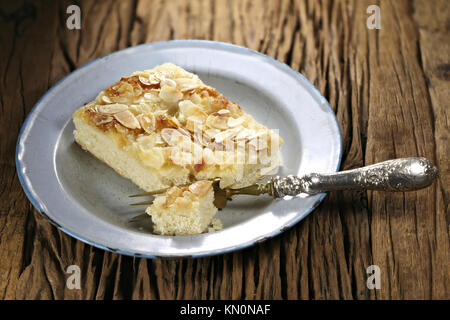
186,210
164,127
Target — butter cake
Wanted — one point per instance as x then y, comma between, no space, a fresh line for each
184,210
164,127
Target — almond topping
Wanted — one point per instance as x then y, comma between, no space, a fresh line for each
232,122
150,81
223,135
208,156
168,82
106,99
223,111
170,135
180,157
147,122
185,84
200,188
127,119
102,119
189,109
245,134
144,80
218,122
172,194
112,108
202,138
170,94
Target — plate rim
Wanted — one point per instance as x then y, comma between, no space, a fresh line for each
212,44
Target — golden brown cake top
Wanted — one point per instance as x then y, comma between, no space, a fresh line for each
183,196
168,115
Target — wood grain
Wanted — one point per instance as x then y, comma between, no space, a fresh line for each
388,87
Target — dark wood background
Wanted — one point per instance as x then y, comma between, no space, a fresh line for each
388,87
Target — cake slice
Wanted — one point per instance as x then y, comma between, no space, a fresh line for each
164,127
184,210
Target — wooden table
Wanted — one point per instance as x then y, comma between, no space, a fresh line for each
389,88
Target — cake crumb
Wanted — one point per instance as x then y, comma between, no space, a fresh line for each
216,225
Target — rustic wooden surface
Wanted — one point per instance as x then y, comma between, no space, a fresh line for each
390,91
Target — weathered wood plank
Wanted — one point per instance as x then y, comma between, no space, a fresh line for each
434,50
403,225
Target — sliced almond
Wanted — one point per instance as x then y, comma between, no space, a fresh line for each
106,99
180,157
234,122
218,122
194,123
135,109
163,121
197,152
183,203
102,119
202,138
195,98
148,80
185,84
176,121
211,132
137,91
168,82
200,188
127,119
154,78
223,111
125,90
245,134
208,156
185,106
112,108
145,81
147,122
223,135
185,144
172,194
170,94
170,136
188,109
184,132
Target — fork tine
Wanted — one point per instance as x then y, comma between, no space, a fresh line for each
141,203
149,193
141,216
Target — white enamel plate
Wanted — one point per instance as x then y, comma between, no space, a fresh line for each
88,200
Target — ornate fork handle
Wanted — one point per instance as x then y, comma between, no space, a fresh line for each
405,174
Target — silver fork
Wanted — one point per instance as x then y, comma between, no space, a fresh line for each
403,174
